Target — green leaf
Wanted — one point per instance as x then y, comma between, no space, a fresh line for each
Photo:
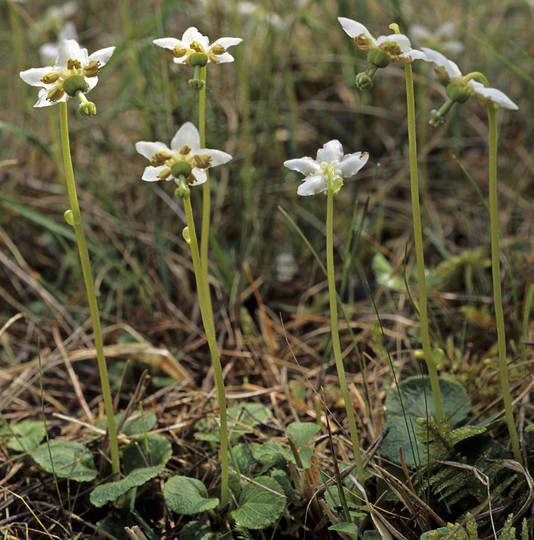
347,528
198,530
111,491
260,505
26,435
384,274
302,432
186,495
416,396
134,424
69,460
292,495
135,454
249,414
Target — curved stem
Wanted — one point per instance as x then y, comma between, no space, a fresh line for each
209,328
418,240
496,276
89,288
206,193
336,345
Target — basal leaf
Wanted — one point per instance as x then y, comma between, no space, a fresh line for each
136,456
69,460
302,432
111,491
26,436
260,504
186,495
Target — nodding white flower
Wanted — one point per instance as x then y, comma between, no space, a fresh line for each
184,158
384,49
195,49
462,87
330,164
74,71
441,39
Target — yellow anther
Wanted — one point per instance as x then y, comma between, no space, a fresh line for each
196,46
185,150
51,78
202,162
73,64
160,158
55,94
164,174
218,49
93,69
179,51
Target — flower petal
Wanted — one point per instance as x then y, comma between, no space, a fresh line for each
217,156
313,185
187,135
493,95
70,49
227,42
167,43
200,177
150,173
33,76
150,149
440,61
352,163
192,34
331,151
43,102
355,29
102,56
305,165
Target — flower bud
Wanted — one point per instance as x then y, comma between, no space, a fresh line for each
181,168
74,84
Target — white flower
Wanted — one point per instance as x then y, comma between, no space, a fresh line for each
441,39
194,47
55,17
449,71
73,71
183,158
397,47
330,161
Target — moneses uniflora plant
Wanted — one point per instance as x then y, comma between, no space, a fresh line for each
325,174
73,74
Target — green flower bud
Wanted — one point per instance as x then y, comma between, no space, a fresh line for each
181,168
364,81
74,84
457,92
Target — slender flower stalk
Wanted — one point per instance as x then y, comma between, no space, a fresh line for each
418,240
186,162
74,218
326,174
496,276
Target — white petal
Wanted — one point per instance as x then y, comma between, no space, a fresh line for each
440,61
217,156
352,163
494,95
91,83
415,54
355,29
33,76
102,55
227,42
167,43
192,34
400,39
313,185
305,165
200,177
43,102
224,58
187,135
330,152
150,173
70,49
150,149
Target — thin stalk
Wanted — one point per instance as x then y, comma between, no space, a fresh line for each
206,193
418,239
75,219
496,275
209,329
336,345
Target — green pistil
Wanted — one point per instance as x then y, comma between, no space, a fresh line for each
74,84
181,168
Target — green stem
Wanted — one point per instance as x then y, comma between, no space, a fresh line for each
418,239
336,345
206,193
209,328
496,275
76,219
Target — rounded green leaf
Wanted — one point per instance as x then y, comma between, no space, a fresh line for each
111,491
26,436
187,495
69,460
302,432
260,504
136,456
